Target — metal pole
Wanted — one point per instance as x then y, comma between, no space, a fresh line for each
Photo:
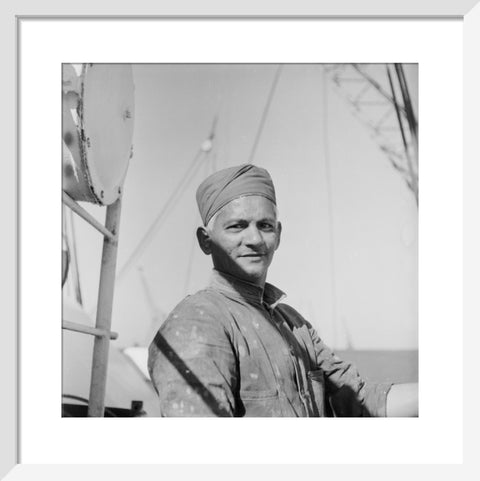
67,200
101,345
93,331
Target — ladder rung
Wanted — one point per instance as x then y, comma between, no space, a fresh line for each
93,331
67,200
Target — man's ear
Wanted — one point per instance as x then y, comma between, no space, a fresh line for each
204,240
279,234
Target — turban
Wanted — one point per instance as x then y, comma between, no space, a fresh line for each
223,186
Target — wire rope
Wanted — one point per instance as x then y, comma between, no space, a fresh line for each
192,169
156,224
210,168
265,113
414,185
328,181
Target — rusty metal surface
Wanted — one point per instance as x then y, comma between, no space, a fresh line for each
97,130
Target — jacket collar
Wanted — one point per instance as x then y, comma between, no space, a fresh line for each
231,286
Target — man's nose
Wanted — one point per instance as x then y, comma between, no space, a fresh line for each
253,236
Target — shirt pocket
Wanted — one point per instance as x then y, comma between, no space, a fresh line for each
316,384
263,403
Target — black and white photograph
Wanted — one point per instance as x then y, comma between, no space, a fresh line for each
240,239
265,213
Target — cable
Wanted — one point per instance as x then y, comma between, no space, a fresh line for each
189,265
183,184
328,180
413,179
205,149
412,121
265,113
210,169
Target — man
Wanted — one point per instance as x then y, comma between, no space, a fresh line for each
234,349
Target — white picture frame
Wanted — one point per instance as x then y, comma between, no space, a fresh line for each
15,13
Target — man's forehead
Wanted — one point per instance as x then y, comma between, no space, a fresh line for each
251,205
228,184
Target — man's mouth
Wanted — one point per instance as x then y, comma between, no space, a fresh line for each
255,254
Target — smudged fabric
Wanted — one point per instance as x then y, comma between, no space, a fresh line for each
223,186
235,350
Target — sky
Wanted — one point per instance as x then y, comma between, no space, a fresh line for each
348,256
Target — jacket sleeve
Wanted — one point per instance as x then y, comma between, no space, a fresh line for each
192,363
348,393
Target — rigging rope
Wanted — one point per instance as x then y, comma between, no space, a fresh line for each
414,185
209,169
192,169
328,181
265,113
183,184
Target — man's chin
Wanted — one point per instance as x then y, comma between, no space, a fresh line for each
255,276
248,272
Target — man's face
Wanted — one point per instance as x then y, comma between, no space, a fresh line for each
244,237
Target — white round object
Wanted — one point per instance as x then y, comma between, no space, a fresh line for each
98,120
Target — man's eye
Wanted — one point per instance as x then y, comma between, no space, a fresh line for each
234,227
266,226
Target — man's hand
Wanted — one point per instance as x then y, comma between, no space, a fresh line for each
402,400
